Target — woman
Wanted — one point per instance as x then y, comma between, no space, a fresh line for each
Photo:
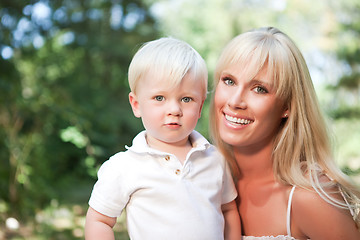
267,122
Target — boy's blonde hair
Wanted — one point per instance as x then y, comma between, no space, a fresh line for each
302,153
168,59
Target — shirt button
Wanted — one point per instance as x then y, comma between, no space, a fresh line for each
177,171
167,158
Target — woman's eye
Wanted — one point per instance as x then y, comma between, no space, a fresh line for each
260,89
186,99
228,81
159,98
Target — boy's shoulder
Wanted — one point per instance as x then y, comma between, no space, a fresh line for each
117,159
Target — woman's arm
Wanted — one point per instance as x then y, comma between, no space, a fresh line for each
232,229
99,226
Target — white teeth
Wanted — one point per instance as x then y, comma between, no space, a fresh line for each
237,120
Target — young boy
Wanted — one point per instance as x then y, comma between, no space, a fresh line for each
171,181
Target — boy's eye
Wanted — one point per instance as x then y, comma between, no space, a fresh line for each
259,89
186,99
228,81
159,98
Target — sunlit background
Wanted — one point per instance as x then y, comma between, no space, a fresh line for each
64,93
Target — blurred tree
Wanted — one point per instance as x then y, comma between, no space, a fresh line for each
63,92
344,90
347,88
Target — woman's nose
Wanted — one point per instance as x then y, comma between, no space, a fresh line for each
238,99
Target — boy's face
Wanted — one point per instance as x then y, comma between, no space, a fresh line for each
169,114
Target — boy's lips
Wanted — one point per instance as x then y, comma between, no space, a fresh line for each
173,124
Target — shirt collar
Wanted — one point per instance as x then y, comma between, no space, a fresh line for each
139,144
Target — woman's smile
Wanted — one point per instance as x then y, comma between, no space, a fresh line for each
241,121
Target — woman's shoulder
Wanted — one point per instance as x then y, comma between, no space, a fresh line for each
314,217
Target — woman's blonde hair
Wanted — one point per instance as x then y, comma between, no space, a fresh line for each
302,153
169,59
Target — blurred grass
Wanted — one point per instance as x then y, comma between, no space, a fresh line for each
65,222
62,219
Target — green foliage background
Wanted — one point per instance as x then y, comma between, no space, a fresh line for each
64,93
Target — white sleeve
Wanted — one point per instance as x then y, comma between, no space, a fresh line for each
229,192
110,193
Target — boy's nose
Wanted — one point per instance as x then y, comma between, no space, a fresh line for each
175,108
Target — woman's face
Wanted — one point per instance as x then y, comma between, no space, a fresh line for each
248,111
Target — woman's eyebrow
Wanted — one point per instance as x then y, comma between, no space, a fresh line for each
261,82
227,74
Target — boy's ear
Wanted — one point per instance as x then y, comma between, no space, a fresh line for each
134,104
200,110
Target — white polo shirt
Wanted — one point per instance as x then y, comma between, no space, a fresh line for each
163,198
